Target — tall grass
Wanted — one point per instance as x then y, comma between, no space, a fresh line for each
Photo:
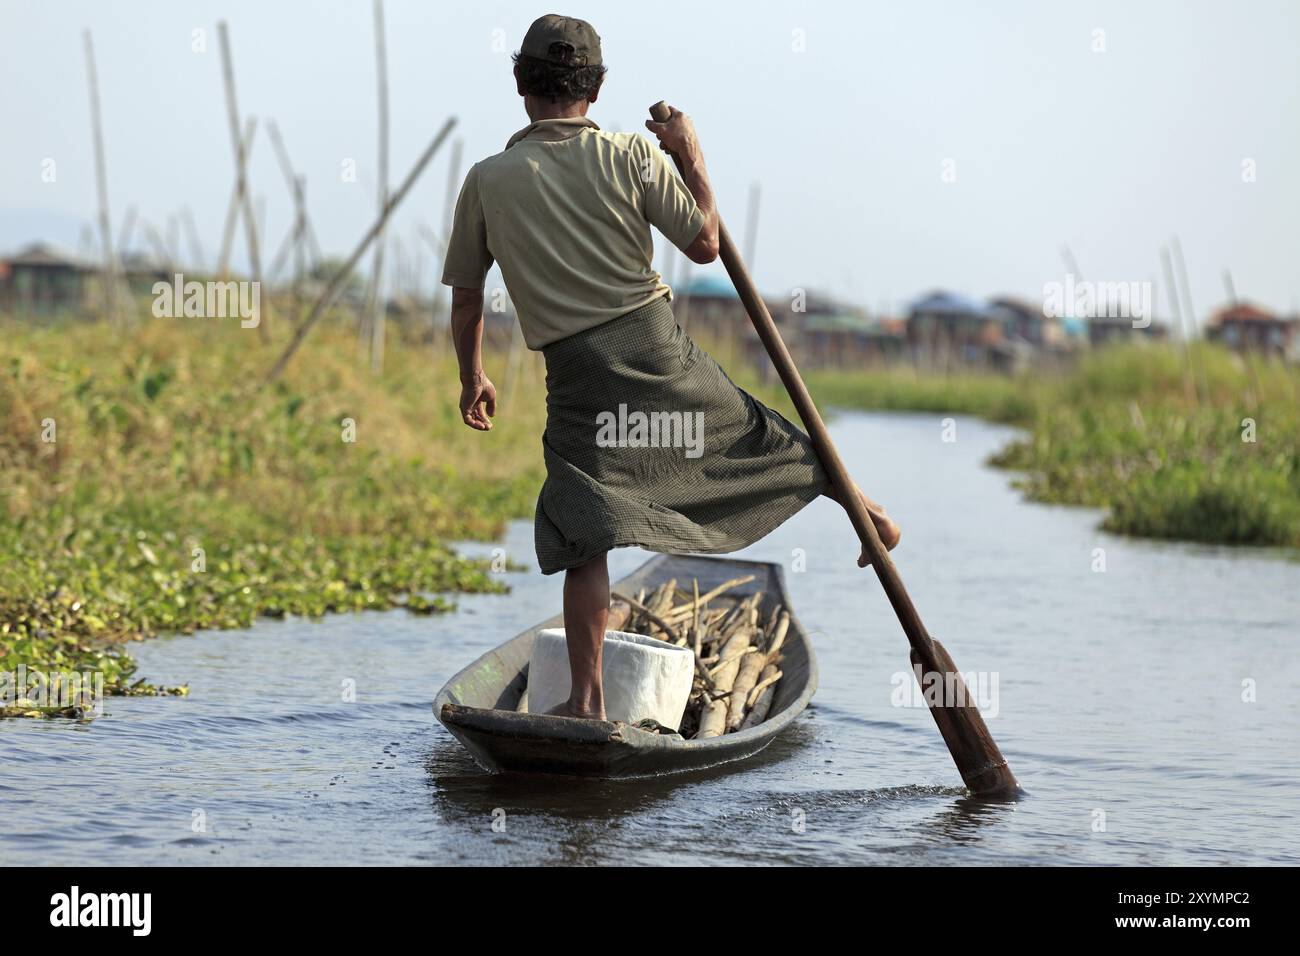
150,484
1200,450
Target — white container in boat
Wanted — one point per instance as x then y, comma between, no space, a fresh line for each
644,677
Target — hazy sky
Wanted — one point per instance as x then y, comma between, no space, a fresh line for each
847,113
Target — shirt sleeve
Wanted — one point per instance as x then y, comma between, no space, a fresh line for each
468,258
669,205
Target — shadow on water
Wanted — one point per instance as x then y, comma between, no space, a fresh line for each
462,788
762,809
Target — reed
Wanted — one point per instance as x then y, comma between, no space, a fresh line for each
1119,431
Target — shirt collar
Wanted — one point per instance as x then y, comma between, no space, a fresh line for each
553,130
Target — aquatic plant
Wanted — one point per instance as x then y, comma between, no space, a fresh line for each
150,486
1203,447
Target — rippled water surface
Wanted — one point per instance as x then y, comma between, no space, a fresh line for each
1118,702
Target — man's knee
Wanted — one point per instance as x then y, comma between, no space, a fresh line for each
594,564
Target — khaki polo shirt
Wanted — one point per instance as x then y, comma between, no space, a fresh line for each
566,211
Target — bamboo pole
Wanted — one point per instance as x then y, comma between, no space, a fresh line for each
1171,291
439,251
1071,264
300,244
293,241
126,230
377,305
174,238
160,249
192,236
290,181
442,293
1185,289
109,271
751,224
241,173
233,207
336,281
514,365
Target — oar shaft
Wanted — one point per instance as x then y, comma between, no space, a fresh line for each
973,749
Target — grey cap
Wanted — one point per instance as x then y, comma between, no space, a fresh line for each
564,41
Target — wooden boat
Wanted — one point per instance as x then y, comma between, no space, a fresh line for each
479,704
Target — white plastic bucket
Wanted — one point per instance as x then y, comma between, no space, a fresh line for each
644,677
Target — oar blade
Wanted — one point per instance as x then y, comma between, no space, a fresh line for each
981,764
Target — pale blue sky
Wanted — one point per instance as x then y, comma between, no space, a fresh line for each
1111,153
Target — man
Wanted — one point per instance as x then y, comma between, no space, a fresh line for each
566,210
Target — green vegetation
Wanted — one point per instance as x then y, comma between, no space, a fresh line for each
1131,430
149,485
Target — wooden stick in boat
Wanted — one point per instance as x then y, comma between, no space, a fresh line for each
619,613
778,636
735,646
767,681
725,586
724,675
642,609
763,693
713,721
695,626
751,666
662,601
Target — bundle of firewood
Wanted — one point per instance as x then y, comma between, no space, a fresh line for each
737,654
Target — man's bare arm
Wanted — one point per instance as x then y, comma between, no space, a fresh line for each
478,396
677,136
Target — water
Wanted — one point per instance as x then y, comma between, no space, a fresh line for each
1119,704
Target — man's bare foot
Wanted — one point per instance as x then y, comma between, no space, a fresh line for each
889,532
567,709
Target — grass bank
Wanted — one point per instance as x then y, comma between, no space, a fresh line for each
149,486
1213,456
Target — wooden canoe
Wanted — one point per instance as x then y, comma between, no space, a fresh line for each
478,704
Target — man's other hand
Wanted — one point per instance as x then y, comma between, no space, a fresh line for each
478,403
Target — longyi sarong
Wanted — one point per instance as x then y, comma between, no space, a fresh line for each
649,443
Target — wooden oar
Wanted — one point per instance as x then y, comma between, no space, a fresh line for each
982,766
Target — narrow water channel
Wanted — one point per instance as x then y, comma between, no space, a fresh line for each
1150,709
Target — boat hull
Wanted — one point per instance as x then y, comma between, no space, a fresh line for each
478,705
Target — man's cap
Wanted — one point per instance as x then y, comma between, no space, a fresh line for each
564,41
